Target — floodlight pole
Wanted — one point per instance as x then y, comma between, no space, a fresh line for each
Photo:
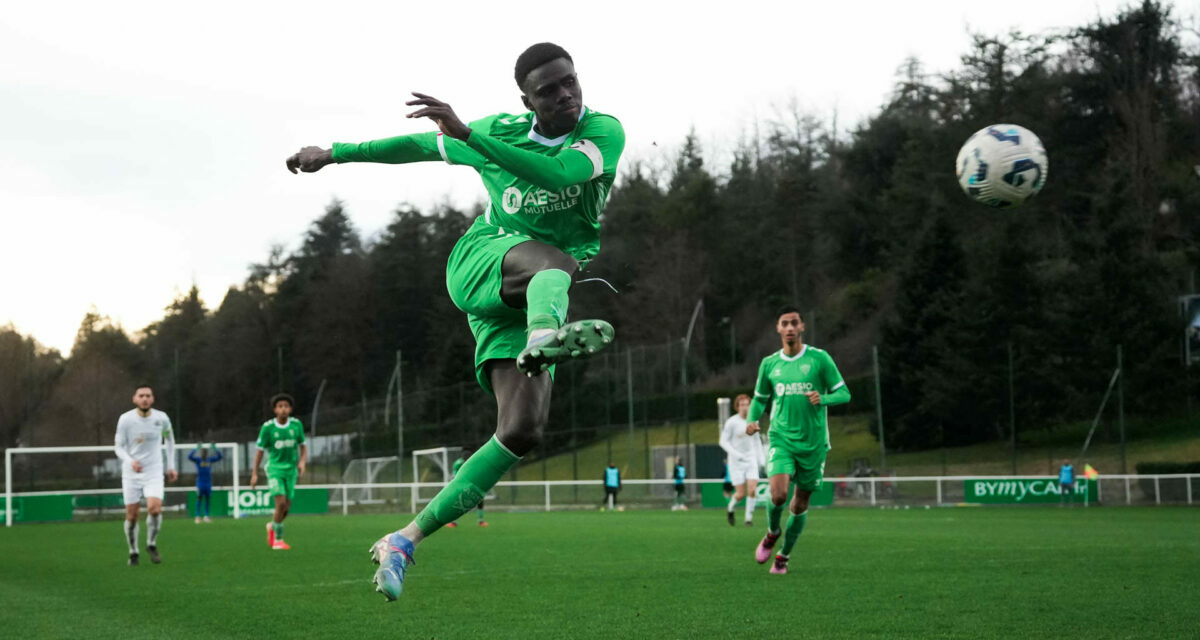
629,395
687,400
879,410
1121,404
1012,410
317,406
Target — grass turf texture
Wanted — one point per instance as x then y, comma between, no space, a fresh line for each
980,573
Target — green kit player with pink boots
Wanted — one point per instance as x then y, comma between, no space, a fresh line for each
801,381
547,172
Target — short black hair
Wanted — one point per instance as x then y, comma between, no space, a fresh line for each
143,386
279,397
536,56
786,309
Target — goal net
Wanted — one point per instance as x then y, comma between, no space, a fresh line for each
360,471
434,466
64,483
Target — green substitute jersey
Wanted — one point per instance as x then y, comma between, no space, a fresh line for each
282,444
551,190
784,380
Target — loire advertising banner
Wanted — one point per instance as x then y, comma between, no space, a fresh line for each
1024,490
259,502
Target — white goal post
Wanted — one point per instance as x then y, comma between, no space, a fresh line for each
363,473
441,458
233,447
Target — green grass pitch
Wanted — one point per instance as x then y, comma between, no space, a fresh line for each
957,573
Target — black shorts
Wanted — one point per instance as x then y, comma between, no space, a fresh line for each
679,489
612,490
729,487
1067,487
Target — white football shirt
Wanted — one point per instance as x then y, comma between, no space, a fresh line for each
741,448
142,438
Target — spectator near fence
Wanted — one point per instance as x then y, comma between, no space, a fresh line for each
612,484
1066,483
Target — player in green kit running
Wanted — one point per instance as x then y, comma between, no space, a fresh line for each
547,172
800,381
282,437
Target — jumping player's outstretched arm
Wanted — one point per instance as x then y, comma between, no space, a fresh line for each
597,151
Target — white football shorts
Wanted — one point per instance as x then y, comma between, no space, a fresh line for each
142,485
740,472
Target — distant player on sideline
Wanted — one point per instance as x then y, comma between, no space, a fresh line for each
282,437
1066,483
740,441
141,433
199,457
612,485
466,454
679,474
547,172
800,381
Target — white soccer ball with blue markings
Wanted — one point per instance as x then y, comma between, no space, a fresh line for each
1002,165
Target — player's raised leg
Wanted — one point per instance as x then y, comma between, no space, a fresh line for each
523,407
537,277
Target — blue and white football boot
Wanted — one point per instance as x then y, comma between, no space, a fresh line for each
394,555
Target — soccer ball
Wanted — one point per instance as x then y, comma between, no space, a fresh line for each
1002,165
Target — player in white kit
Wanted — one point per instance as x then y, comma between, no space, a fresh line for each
745,454
141,433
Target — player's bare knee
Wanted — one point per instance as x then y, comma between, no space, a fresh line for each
521,436
778,498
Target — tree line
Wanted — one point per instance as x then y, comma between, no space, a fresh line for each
866,229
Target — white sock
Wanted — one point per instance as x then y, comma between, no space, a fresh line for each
131,535
750,508
538,334
412,532
732,504
153,524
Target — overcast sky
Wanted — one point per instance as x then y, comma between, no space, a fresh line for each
142,144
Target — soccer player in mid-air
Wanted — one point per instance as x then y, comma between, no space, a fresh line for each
547,172
204,463
282,437
740,441
800,381
141,434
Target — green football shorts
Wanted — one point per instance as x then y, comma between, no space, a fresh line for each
474,279
283,484
805,468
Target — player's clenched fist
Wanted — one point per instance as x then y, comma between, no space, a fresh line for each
309,159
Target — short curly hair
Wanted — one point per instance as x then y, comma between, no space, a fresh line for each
282,397
536,56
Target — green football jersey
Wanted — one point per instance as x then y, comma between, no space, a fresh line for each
458,463
785,380
282,444
551,190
